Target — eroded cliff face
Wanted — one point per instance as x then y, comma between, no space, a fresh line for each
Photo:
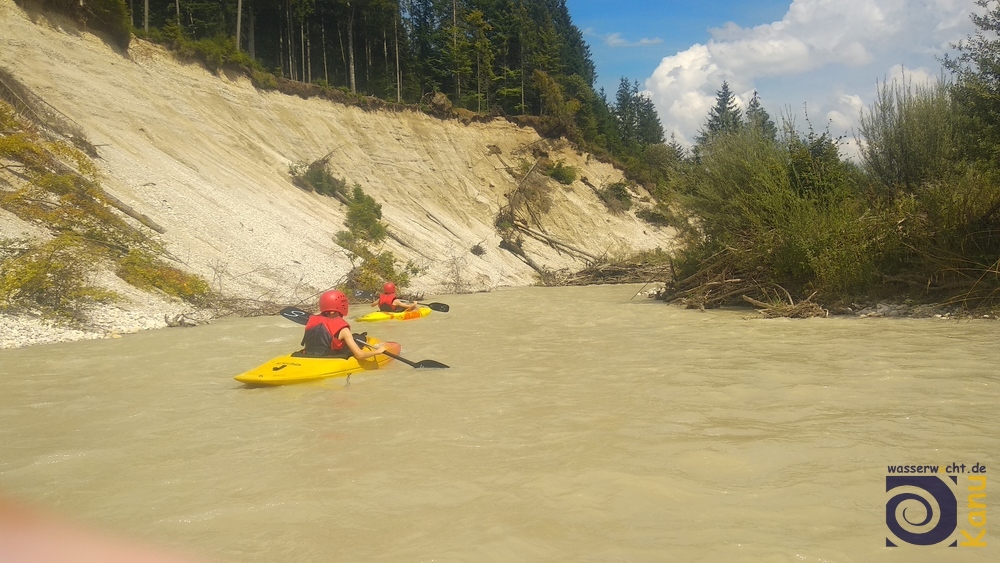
207,157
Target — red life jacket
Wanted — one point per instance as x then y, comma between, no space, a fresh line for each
385,302
320,338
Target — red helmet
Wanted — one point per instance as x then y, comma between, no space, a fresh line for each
333,301
389,287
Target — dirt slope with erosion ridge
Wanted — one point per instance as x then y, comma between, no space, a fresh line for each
207,158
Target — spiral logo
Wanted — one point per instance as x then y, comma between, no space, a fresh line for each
920,510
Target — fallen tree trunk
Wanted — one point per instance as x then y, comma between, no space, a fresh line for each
128,210
552,242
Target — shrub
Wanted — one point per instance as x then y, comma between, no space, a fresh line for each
651,166
373,271
215,53
145,271
532,194
659,215
364,217
768,229
48,277
365,230
263,80
112,17
562,174
315,177
616,197
907,138
218,52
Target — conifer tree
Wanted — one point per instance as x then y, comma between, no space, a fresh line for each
759,121
724,117
649,129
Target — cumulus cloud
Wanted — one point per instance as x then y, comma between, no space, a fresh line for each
827,53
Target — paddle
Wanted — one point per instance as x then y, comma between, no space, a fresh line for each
440,307
301,317
420,364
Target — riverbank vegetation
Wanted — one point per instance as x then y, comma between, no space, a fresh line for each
48,181
780,217
776,216
365,233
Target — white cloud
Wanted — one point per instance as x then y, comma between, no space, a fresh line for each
616,40
827,54
914,76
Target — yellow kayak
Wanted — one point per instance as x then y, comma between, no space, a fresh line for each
290,368
417,313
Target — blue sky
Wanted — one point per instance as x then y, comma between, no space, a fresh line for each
817,57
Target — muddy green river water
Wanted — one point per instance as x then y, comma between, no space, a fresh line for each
575,424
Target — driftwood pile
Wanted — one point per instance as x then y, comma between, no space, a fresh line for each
716,285
801,310
618,272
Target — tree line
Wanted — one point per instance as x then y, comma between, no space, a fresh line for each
496,57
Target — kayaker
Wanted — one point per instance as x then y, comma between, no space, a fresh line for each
328,334
389,303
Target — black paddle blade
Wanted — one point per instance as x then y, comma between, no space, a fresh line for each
442,307
420,364
430,364
295,315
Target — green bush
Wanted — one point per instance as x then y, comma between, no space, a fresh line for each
561,173
315,177
374,270
215,53
220,51
263,79
111,16
652,166
145,271
751,212
908,137
659,215
616,197
364,217
48,277
920,217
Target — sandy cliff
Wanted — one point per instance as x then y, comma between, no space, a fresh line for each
207,158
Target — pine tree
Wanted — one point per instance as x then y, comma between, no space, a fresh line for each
649,130
758,120
724,117
626,112
680,153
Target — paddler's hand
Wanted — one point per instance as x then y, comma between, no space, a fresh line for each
380,348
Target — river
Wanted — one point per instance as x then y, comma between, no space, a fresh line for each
575,424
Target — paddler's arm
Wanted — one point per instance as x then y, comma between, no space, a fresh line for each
352,345
409,305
